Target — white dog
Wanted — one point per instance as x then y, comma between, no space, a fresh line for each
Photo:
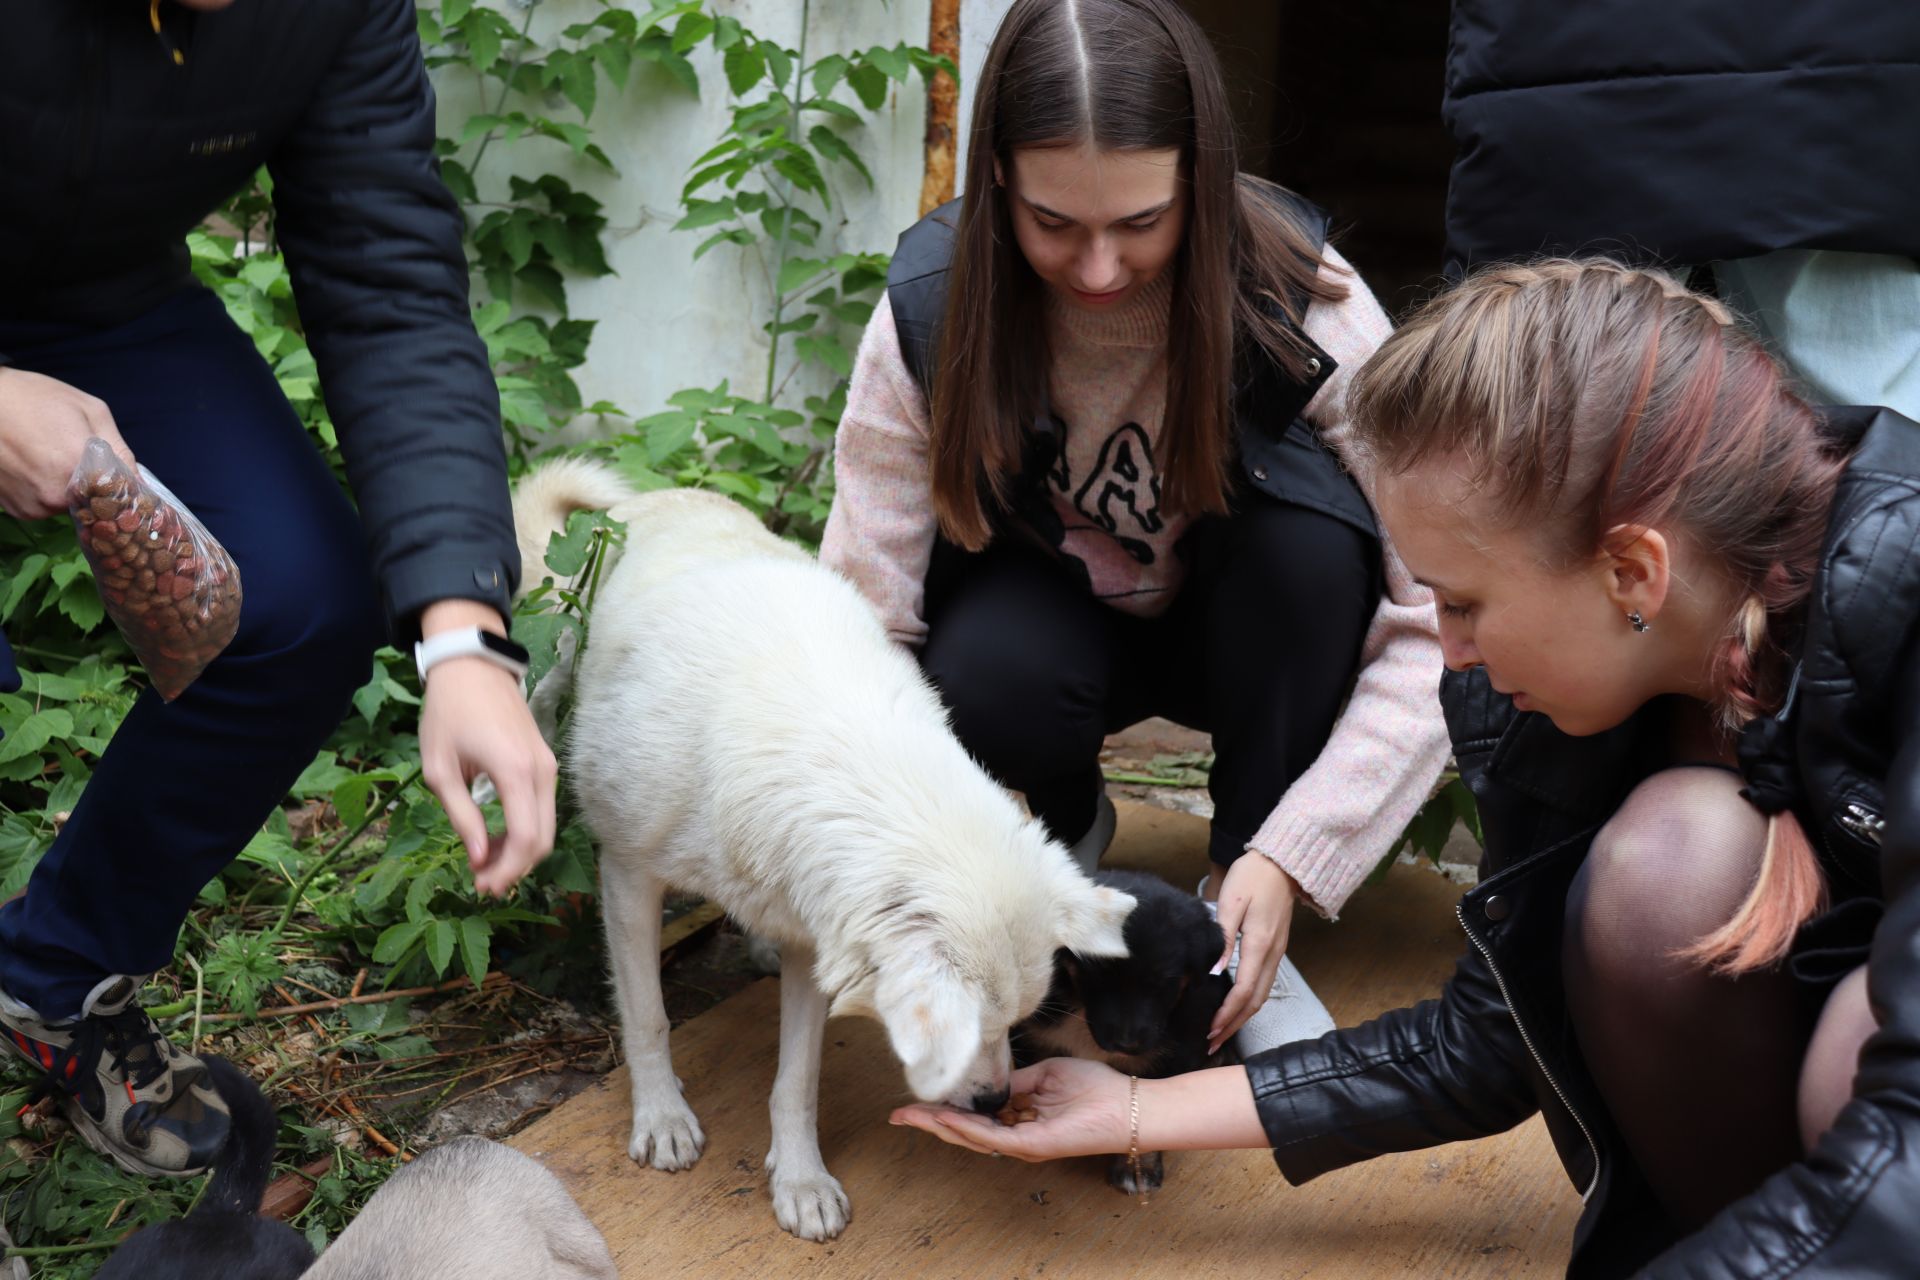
744,729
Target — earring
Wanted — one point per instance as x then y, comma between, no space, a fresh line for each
1640,624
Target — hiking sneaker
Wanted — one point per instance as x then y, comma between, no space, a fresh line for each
127,1090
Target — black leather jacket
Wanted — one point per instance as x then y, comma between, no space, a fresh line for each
1497,1044
111,151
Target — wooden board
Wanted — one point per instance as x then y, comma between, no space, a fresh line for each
1498,1208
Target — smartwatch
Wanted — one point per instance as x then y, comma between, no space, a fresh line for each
474,642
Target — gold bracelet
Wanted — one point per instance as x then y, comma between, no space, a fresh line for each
1133,1139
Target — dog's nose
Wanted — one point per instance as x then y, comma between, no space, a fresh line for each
988,1103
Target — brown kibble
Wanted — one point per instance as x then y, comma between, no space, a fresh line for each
163,585
162,562
104,531
187,564
109,563
103,508
182,588
146,579
128,520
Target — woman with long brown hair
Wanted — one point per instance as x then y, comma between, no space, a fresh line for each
1094,466
1681,612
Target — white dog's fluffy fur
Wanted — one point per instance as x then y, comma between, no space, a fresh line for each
744,729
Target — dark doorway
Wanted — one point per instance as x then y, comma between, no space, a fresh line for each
1341,102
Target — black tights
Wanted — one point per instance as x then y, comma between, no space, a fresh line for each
1713,1082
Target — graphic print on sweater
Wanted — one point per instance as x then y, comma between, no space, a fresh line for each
1121,494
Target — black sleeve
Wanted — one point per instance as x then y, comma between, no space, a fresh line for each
1447,1069
373,244
1851,1208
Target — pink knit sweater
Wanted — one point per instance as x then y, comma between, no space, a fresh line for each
1108,386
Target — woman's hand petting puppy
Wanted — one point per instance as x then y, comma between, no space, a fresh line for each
1083,1111
1256,904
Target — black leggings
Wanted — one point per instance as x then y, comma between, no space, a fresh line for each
1259,649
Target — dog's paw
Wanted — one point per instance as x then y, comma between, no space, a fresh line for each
811,1206
667,1136
1153,1172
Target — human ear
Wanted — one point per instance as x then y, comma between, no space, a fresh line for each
1638,563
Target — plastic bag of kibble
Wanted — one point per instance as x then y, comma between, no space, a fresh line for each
167,583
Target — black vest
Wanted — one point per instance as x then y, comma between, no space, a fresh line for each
1280,455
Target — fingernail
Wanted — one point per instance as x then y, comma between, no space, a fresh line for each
1217,970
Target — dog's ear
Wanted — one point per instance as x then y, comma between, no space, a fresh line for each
1092,920
1206,943
932,1020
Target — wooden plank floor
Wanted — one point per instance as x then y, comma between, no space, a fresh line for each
1499,1208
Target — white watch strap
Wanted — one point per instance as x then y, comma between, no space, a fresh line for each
461,642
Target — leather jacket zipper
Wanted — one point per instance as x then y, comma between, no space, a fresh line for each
1864,823
1487,954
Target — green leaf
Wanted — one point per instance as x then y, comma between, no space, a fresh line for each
452,11
796,273
744,64
321,776
475,946
829,143
567,552
483,44
832,354
894,62
666,434
736,235
30,572
580,84
616,57
478,125
27,737
81,604
828,72
441,939
726,33
350,797
870,83
704,213
393,943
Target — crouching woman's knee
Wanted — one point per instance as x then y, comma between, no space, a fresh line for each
1672,866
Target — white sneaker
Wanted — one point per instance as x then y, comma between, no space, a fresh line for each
1291,1012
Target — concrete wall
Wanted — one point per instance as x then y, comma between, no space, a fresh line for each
667,322
979,19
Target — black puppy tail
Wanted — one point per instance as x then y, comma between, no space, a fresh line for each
239,1179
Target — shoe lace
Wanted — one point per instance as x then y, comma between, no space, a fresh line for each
122,1037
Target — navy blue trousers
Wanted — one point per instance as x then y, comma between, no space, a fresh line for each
184,785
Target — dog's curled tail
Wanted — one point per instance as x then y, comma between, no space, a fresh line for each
241,1171
545,497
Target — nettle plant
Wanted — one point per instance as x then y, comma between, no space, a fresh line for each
381,876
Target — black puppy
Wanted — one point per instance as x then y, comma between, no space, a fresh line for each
1148,1014
224,1236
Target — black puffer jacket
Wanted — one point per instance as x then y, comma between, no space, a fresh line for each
1683,133
1497,1045
111,151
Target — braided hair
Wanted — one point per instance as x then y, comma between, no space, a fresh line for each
1588,397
